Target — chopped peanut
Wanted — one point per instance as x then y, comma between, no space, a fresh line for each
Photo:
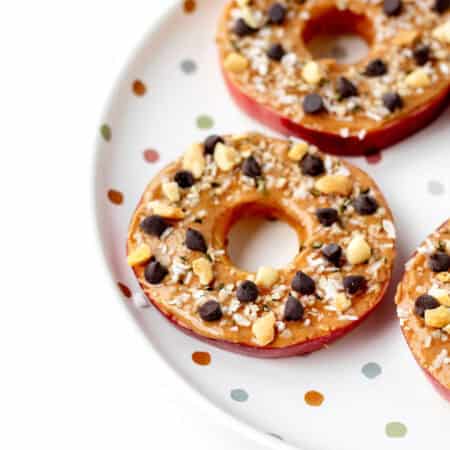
444,277
248,16
405,37
418,79
447,329
202,267
194,160
312,73
437,317
298,151
139,255
226,157
166,211
171,191
342,302
335,184
264,329
442,32
358,251
235,63
266,277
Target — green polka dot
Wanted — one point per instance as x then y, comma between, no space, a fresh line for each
371,370
105,131
396,429
205,122
239,395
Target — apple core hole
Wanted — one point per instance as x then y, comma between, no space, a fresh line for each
258,240
343,36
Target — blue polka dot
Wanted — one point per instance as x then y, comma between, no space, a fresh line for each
239,395
371,370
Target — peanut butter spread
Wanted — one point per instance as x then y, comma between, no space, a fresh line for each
177,241
423,304
264,52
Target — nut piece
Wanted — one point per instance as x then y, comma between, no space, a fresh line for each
441,295
335,184
226,157
166,211
266,277
342,302
194,161
298,151
235,63
248,16
447,329
418,79
405,37
139,255
171,191
264,329
442,33
358,251
202,267
438,317
444,277
312,73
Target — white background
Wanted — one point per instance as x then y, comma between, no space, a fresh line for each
74,371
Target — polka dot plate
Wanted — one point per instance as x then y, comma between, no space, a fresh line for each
364,392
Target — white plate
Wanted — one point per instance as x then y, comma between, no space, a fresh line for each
178,64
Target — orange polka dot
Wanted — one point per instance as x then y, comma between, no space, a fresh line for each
139,88
201,358
115,197
314,398
189,6
124,289
151,155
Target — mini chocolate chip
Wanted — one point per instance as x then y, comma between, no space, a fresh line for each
440,6
242,28
312,165
376,68
293,310
211,142
195,241
392,101
313,104
247,291
303,284
276,52
184,179
251,168
345,88
154,225
365,205
210,311
439,262
332,253
354,284
422,54
392,7
155,272
423,303
327,216
277,13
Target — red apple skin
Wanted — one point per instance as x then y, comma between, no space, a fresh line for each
302,348
333,143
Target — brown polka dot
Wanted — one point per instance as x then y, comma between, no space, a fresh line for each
151,156
115,197
201,358
139,88
124,289
189,6
314,398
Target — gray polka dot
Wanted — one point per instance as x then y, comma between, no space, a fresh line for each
239,395
188,66
435,187
371,370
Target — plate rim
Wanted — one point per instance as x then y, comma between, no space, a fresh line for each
221,416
